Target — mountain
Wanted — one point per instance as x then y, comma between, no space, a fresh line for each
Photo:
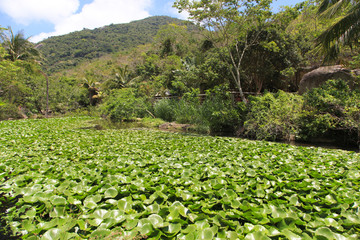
63,52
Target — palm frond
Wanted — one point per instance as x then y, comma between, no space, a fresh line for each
344,30
326,4
334,8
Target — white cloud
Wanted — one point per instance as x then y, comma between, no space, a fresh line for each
175,12
66,18
104,12
27,11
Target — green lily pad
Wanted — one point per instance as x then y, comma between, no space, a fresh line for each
58,201
52,234
111,193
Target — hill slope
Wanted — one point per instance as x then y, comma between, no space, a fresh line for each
63,52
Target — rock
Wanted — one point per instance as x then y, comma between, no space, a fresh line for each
175,127
320,75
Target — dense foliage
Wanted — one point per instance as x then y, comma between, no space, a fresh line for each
123,105
332,111
62,180
156,58
273,116
63,52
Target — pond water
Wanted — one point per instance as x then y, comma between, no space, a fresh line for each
105,124
324,145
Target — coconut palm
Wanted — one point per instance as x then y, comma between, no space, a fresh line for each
18,47
345,31
122,78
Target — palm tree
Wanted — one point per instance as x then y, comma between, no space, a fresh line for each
18,47
122,78
345,31
91,85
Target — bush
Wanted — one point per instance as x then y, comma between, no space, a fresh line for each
220,113
186,111
123,105
272,116
8,110
164,109
331,111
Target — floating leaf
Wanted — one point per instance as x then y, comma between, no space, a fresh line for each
100,234
206,234
111,193
173,228
52,234
156,220
58,200
124,205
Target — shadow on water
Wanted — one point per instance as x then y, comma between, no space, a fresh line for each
324,145
137,125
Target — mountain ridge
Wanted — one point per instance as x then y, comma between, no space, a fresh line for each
66,51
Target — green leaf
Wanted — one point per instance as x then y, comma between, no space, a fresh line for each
111,193
100,234
154,208
52,234
99,213
131,223
156,221
173,228
206,234
28,225
290,235
31,213
58,200
294,200
58,212
257,236
146,229
325,232
124,205
189,236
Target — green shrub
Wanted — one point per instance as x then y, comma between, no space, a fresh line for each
272,116
220,113
123,105
332,111
186,111
164,109
8,110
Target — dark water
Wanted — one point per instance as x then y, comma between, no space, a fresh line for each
105,124
324,145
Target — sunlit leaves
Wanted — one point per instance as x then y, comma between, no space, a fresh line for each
89,184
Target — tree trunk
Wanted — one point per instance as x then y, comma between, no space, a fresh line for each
47,93
47,96
238,83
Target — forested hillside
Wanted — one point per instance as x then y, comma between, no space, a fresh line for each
62,52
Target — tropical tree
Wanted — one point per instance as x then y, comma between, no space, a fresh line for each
93,91
18,47
230,24
345,31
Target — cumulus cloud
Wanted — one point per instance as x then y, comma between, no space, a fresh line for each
27,11
175,12
67,17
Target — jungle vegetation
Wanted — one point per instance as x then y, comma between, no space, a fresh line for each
120,71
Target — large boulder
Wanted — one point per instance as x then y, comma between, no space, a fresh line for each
320,75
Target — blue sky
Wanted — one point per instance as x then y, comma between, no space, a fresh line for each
43,18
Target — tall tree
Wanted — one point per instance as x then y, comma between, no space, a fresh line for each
229,24
345,31
18,47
